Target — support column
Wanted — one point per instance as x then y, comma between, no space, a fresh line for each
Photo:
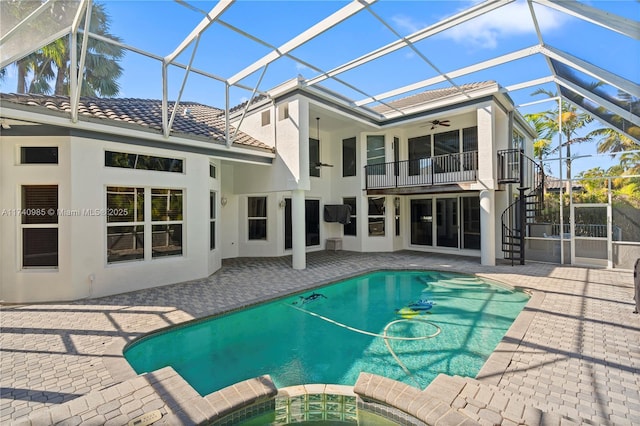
488,227
298,228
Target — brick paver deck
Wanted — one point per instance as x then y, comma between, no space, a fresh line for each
577,354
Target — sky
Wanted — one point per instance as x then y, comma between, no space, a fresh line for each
159,27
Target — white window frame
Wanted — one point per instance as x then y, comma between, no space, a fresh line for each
381,217
134,223
213,210
180,222
265,218
23,226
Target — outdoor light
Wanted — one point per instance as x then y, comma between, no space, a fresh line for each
223,201
396,201
282,203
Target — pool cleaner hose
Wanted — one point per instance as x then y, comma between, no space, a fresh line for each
384,335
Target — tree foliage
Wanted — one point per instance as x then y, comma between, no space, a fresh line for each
47,70
548,125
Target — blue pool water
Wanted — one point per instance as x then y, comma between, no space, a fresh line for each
333,336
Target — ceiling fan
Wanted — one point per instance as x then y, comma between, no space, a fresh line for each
436,123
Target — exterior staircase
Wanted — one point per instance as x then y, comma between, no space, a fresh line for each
515,167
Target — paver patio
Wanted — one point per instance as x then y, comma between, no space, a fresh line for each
579,355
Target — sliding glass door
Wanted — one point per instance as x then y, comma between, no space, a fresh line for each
447,222
422,222
455,221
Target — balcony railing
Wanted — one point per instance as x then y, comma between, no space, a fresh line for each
438,170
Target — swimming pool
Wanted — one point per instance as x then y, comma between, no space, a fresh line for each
331,334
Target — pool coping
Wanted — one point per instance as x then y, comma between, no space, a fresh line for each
496,365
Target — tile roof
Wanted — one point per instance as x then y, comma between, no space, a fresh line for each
241,106
429,96
191,118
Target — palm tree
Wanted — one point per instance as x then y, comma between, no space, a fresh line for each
37,71
615,142
571,119
541,146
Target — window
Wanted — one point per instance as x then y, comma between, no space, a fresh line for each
39,155
212,171
212,220
257,215
396,203
283,112
349,157
39,226
518,140
376,216
265,118
351,228
422,222
470,144
375,154
396,155
143,162
419,151
471,222
446,143
166,222
314,157
125,224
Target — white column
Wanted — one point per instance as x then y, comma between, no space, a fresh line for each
487,147
298,234
488,226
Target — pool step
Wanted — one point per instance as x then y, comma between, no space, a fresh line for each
422,405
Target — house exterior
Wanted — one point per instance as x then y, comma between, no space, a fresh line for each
108,204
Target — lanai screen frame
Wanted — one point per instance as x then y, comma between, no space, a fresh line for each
618,24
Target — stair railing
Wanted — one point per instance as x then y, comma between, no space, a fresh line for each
515,167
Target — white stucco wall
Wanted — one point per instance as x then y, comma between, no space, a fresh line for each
17,285
82,179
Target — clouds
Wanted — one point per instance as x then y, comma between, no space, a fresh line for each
406,24
487,30
515,19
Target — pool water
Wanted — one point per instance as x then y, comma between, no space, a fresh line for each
339,332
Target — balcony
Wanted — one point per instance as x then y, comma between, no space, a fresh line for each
423,174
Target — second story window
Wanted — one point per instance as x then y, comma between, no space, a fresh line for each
518,140
375,154
349,157
470,144
314,157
